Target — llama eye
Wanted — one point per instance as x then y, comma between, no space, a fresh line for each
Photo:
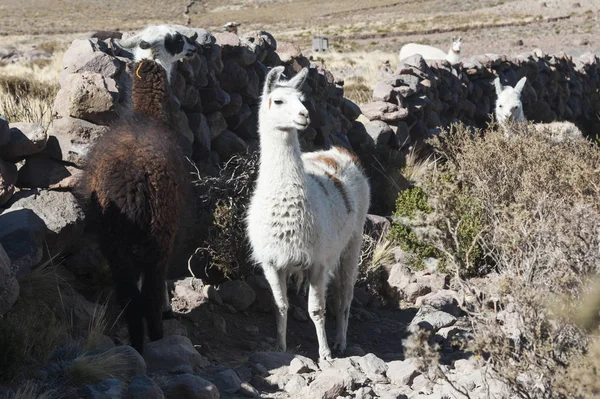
278,102
500,106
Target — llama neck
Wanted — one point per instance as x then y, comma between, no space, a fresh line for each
281,164
453,56
150,92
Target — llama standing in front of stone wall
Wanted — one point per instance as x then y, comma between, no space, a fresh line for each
509,108
135,184
307,212
433,53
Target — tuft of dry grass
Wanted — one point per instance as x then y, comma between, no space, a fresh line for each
28,90
32,389
113,363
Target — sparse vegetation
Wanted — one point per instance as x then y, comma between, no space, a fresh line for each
525,207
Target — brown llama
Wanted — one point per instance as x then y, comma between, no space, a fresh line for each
135,187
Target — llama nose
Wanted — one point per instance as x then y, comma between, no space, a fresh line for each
303,113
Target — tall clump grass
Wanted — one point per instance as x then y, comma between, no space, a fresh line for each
28,89
527,209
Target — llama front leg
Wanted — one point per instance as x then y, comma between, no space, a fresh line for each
346,278
316,308
278,282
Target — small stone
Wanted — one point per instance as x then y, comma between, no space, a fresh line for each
246,389
301,365
188,386
414,290
237,293
295,384
373,367
273,362
228,381
403,372
430,318
329,384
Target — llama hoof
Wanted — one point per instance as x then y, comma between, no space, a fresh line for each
339,349
325,355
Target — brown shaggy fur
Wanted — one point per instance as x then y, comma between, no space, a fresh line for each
135,185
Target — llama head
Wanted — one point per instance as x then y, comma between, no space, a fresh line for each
281,102
508,104
161,43
456,43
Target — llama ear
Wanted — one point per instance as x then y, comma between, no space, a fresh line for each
272,79
298,80
498,86
520,84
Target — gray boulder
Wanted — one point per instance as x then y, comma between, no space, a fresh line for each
170,353
60,212
75,138
22,235
189,386
41,171
88,96
237,293
25,139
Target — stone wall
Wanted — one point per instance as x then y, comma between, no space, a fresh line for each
218,91
420,97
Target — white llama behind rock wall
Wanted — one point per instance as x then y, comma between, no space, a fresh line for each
307,212
509,108
433,53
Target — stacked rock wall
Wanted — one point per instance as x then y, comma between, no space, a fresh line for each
218,91
426,96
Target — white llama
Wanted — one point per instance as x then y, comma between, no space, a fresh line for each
433,53
509,108
163,44
307,212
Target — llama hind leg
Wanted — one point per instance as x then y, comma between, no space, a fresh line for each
346,278
316,307
131,300
153,295
278,281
